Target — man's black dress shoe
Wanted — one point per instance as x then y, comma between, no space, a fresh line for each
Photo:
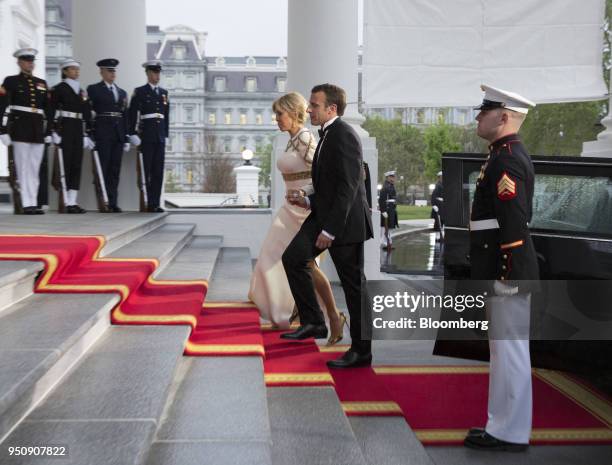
33,211
351,359
476,431
115,209
156,210
306,331
75,209
484,441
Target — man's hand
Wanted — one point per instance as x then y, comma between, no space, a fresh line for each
323,242
296,197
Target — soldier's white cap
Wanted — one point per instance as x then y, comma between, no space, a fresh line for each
153,65
70,62
390,173
26,53
499,98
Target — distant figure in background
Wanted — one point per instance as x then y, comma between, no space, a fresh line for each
110,127
149,129
388,210
437,201
24,99
71,128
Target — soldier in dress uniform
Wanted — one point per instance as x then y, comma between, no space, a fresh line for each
149,123
25,112
387,206
437,201
501,250
71,128
110,104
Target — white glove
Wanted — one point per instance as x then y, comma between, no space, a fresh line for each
167,140
88,144
48,140
385,215
135,140
435,208
126,147
6,139
56,138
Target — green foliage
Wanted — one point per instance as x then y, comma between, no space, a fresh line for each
264,154
439,138
171,184
561,128
412,212
400,148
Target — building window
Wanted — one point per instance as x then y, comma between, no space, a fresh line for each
189,143
461,117
273,118
190,81
420,116
251,84
281,84
189,175
169,79
227,145
178,52
220,61
398,113
189,114
228,117
52,16
441,116
212,118
243,117
243,143
220,84
258,118
169,144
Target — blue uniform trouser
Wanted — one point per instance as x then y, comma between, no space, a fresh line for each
153,154
111,153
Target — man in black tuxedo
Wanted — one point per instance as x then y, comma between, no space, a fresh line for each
339,221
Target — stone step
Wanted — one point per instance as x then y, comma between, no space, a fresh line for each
41,337
17,281
108,407
218,415
232,275
309,427
197,260
162,243
388,441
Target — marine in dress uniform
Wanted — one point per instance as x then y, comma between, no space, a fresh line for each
501,250
110,128
387,205
149,123
71,128
437,201
24,113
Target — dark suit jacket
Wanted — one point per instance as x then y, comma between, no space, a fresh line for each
102,101
339,202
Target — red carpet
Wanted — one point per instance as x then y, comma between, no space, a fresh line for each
442,403
72,265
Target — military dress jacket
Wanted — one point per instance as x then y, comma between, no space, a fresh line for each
504,195
71,111
25,108
155,107
111,117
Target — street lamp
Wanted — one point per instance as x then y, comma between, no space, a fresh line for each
247,156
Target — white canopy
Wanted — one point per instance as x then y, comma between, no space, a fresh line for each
436,53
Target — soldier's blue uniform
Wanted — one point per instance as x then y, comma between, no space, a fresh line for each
109,129
149,118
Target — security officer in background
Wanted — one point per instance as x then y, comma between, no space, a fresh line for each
24,113
387,206
71,128
150,118
501,250
110,129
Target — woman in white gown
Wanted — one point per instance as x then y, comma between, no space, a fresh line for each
269,288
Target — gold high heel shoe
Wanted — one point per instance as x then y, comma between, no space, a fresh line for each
337,337
294,315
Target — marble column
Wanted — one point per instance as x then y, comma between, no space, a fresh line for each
110,29
322,47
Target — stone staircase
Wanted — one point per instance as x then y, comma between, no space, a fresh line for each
126,395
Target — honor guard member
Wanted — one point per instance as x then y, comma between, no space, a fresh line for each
387,206
437,201
501,250
110,104
24,107
71,128
149,124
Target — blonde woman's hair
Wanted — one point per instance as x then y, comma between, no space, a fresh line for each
293,104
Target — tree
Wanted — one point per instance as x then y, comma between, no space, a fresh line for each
400,148
219,176
439,139
265,163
